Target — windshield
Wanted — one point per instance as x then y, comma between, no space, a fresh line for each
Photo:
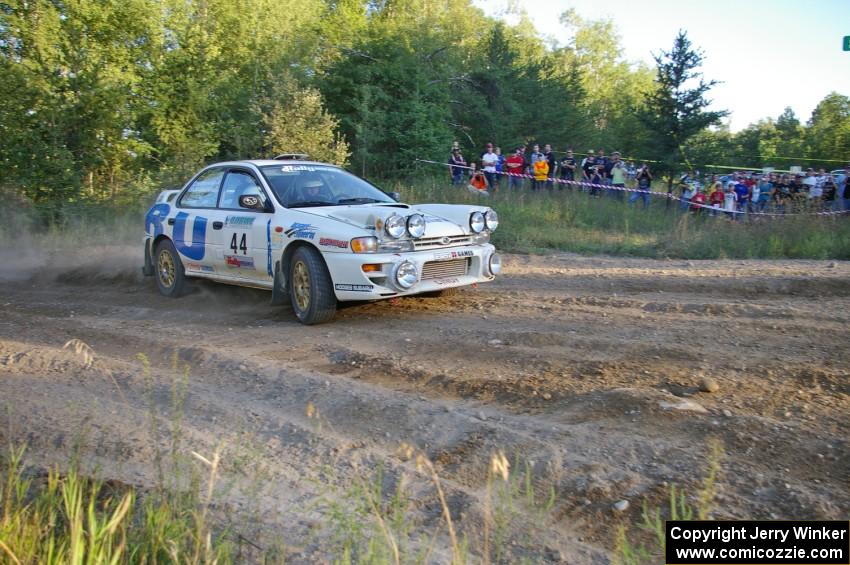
303,186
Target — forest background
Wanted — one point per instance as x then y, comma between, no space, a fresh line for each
106,100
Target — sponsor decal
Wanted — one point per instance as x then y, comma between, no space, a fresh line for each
432,219
269,248
239,221
199,267
447,281
195,248
304,231
354,287
154,218
328,242
238,262
446,255
309,168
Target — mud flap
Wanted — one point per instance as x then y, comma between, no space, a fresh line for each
279,296
147,270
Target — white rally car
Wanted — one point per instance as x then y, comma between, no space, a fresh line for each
314,232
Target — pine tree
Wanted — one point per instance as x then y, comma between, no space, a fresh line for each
675,110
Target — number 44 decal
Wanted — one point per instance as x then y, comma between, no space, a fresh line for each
243,246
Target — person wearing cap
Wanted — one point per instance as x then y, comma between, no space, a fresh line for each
568,169
743,193
698,201
643,176
618,177
761,193
488,164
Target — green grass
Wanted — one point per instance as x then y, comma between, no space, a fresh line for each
573,221
530,222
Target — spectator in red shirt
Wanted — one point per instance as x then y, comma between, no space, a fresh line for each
697,201
715,199
514,165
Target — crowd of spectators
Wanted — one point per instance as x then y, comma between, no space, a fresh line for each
598,174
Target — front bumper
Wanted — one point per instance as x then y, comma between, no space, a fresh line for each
438,269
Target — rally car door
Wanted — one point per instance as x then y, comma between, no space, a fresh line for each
243,235
191,225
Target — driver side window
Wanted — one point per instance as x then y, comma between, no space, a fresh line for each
236,184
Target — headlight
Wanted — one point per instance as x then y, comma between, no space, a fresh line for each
495,264
416,225
476,222
395,226
406,275
491,218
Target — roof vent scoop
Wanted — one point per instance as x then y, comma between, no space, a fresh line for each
292,157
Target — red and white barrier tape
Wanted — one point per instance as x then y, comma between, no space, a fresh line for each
652,193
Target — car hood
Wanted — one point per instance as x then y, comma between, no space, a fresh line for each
440,219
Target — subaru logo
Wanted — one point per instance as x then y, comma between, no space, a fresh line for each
446,240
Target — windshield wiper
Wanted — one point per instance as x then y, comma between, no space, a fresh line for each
310,203
361,200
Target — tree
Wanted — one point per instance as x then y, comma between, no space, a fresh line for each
675,110
298,123
829,129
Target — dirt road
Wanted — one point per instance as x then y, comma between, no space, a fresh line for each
585,368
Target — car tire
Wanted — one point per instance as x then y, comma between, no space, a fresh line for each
310,287
168,269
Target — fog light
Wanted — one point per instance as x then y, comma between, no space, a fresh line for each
406,275
495,264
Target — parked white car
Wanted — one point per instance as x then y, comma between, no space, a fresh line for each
315,233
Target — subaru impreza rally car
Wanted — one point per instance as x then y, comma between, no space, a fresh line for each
314,233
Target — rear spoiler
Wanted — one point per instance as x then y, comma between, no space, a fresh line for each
167,196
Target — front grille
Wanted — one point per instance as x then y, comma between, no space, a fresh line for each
435,242
443,269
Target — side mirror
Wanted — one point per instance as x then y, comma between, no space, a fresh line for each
251,201
395,196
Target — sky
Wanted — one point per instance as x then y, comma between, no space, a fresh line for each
768,54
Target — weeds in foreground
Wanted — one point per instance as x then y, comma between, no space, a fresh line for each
679,508
410,516
67,518
373,524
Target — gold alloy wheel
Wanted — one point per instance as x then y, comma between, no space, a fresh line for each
166,268
301,285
